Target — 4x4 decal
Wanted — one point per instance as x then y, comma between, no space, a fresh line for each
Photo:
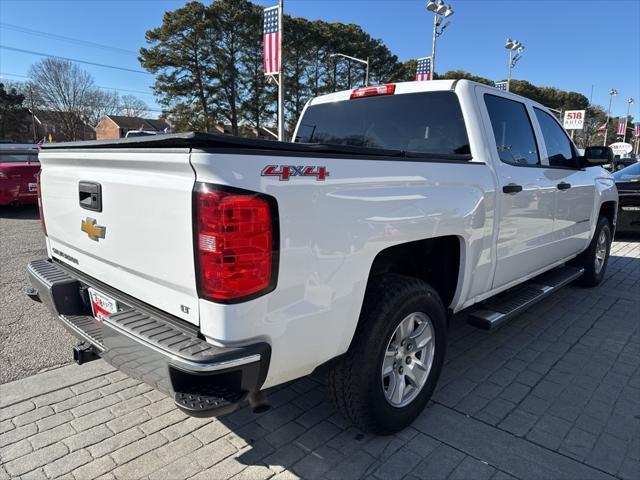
285,172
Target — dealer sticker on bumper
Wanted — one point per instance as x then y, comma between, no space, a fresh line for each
102,305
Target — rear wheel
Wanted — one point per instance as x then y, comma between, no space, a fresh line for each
391,369
595,258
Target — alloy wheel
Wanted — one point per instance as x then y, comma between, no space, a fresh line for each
408,359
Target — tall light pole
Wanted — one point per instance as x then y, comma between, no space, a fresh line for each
280,75
612,94
630,102
439,9
513,46
365,62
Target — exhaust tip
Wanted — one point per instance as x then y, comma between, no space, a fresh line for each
259,402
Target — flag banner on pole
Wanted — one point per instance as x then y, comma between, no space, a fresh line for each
271,41
636,129
501,86
602,128
622,125
423,72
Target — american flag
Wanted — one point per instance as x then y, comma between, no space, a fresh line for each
622,125
636,129
423,72
603,127
271,41
501,86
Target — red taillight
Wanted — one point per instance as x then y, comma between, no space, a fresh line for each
39,189
235,243
373,91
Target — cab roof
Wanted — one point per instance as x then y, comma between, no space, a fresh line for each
401,87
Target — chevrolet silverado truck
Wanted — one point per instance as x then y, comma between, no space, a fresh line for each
213,267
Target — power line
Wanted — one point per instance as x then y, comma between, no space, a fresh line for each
76,41
118,89
73,60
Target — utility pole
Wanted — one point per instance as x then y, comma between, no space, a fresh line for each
612,94
280,75
630,102
33,118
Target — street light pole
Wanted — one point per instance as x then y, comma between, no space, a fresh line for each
280,75
436,22
366,74
630,102
510,65
355,59
439,9
513,46
612,94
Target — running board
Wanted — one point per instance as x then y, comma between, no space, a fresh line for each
497,310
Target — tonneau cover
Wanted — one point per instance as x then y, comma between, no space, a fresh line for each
217,141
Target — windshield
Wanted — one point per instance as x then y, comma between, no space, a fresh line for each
628,173
13,156
426,122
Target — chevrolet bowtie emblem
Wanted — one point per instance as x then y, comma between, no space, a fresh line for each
94,231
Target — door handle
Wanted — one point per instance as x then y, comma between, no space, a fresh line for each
512,188
90,196
563,186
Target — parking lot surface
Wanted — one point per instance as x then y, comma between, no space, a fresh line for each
553,394
29,340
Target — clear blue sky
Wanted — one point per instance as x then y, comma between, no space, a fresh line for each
570,44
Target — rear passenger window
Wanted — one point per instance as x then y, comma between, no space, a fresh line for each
515,141
559,151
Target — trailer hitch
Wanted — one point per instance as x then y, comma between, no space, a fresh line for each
83,353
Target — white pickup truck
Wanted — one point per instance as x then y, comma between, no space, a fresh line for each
214,267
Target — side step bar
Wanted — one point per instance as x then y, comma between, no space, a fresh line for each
497,310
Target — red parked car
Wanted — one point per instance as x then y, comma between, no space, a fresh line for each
19,167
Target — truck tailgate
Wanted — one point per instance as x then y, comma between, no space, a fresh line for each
145,245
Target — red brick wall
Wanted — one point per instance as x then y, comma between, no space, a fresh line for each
107,130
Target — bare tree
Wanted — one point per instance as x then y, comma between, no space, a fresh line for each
65,90
99,104
132,106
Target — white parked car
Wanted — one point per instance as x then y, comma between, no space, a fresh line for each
214,267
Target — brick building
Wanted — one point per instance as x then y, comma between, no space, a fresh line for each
111,127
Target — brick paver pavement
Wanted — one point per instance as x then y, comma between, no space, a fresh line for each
554,394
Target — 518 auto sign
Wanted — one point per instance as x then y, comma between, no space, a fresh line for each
285,172
574,119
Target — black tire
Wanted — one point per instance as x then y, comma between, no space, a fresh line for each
587,259
355,382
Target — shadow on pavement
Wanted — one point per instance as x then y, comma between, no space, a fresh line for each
20,212
627,237
563,366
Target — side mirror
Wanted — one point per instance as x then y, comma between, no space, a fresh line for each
594,156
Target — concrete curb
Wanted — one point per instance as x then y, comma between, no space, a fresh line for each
50,381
